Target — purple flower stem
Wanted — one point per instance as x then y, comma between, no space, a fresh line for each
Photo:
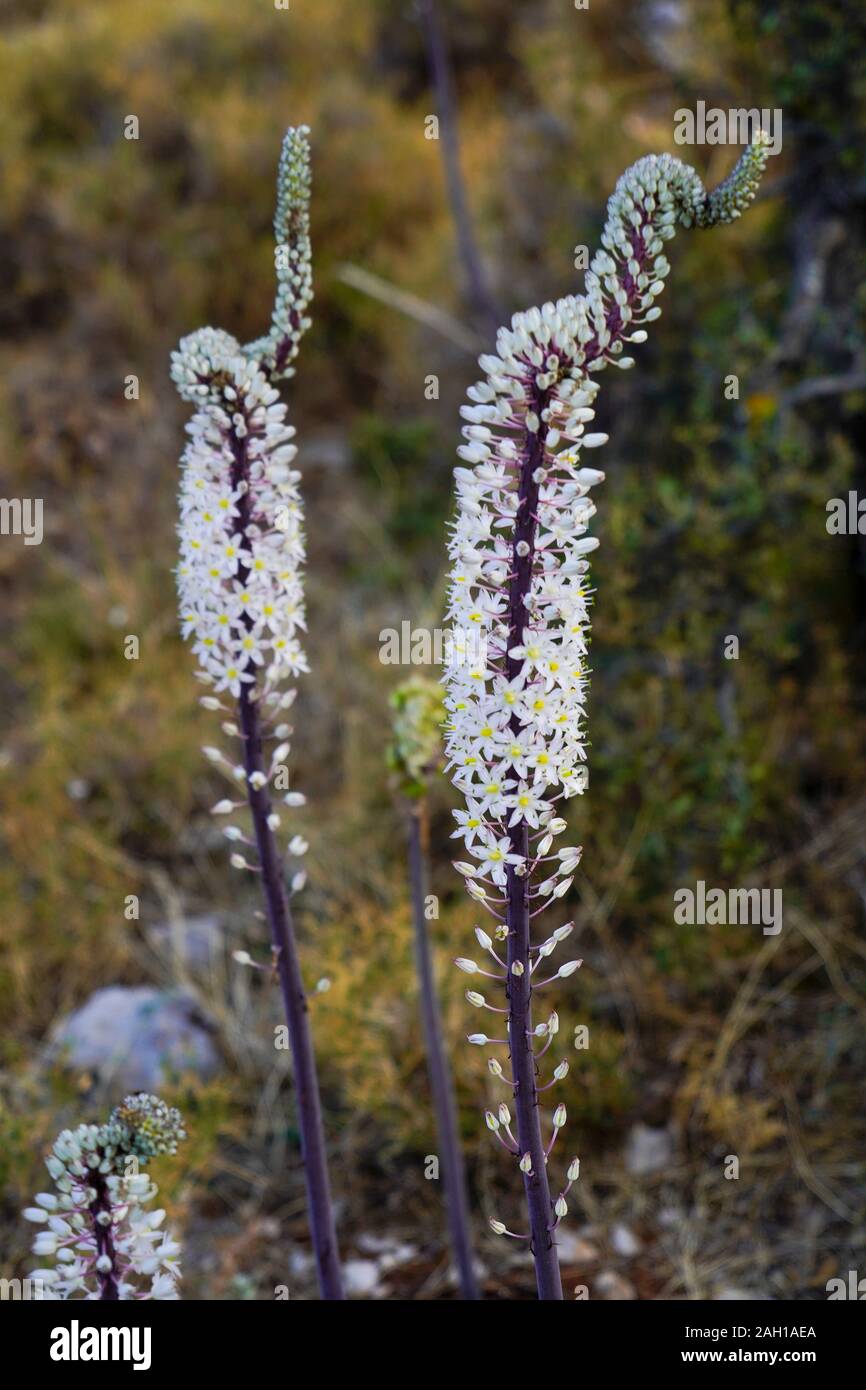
519,987
322,1228
439,1072
108,1290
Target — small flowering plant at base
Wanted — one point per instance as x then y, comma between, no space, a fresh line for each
96,1225
519,546
416,735
242,607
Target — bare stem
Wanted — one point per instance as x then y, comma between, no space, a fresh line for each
279,915
297,1015
439,1072
480,297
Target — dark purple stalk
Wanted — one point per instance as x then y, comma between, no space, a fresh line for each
322,1228
108,1290
441,1085
519,987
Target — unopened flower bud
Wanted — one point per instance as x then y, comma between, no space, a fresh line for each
569,968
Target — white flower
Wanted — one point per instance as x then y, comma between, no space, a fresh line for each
469,822
495,856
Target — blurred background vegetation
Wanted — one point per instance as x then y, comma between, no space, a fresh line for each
712,1041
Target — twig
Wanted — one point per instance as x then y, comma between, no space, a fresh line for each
410,305
478,291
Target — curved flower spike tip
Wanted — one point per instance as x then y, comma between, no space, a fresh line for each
519,546
209,358
278,349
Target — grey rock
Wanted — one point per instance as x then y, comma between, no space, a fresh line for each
361,1276
198,941
136,1037
670,1217
624,1240
613,1288
301,1264
574,1250
389,1252
647,1150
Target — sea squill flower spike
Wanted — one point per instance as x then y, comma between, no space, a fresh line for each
242,606
518,587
